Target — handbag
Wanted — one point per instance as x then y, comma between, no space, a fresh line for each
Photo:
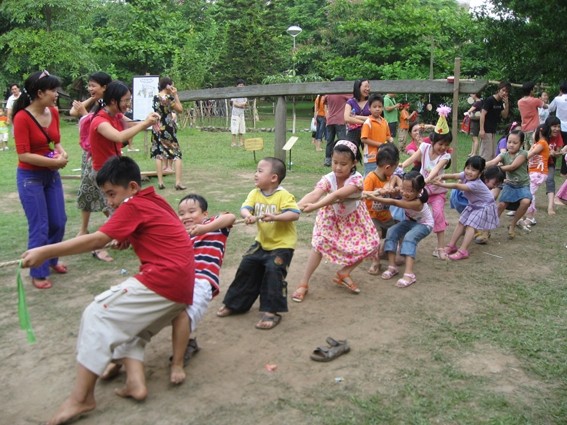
313,124
466,125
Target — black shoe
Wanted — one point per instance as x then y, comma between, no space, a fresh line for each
327,162
161,186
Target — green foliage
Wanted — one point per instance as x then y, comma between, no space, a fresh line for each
205,43
524,39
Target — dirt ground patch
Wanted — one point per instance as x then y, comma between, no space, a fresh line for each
227,380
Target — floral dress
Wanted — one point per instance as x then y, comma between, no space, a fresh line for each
164,133
344,233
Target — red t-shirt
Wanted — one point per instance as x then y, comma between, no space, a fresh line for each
160,241
30,138
101,147
555,144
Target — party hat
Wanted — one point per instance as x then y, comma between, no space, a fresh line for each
442,127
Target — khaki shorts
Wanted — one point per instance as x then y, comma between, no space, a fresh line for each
120,322
237,124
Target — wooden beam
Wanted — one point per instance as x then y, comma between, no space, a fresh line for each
330,87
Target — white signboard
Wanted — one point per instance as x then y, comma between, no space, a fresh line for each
144,88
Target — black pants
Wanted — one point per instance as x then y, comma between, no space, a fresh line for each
335,132
261,273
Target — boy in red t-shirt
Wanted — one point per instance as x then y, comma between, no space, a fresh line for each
119,322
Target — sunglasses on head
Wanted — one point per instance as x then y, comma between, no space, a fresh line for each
43,74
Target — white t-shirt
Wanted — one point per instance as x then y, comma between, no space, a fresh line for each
236,111
10,101
559,106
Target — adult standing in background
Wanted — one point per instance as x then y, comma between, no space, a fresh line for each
237,121
89,196
528,106
357,111
15,90
320,119
336,128
493,108
40,156
474,115
559,106
391,112
165,146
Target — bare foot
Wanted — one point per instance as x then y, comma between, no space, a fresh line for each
550,211
111,371
82,232
558,201
177,376
136,390
71,409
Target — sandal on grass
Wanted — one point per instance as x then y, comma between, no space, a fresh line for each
390,273
374,269
224,311
268,321
334,350
451,249
407,280
300,293
461,254
346,281
59,268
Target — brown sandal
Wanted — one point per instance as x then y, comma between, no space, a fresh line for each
344,279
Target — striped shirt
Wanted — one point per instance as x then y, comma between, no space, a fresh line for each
209,253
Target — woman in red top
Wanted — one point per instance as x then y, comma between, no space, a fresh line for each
40,156
110,128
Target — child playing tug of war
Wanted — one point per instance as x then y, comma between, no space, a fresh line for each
264,266
209,236
120,321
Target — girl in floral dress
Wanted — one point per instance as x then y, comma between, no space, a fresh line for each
165,146
343,231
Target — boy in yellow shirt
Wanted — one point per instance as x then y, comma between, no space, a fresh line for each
263,268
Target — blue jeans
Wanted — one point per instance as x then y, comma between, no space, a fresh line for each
321,127
41,195
409,232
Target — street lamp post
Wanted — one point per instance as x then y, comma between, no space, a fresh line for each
294,31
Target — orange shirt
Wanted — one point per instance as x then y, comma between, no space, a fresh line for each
538,163
376,130
320,109
376,209
404,119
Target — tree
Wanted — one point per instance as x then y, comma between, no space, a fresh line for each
524,39
43,34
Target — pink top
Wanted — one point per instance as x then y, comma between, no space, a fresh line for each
529,113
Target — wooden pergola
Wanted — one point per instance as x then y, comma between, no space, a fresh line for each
281,91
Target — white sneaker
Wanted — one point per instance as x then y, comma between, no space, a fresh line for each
531,221
510,213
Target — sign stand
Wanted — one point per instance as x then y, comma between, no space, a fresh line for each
287,147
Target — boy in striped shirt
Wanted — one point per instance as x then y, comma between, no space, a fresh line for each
209,235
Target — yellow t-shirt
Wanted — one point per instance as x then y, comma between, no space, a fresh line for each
275,234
